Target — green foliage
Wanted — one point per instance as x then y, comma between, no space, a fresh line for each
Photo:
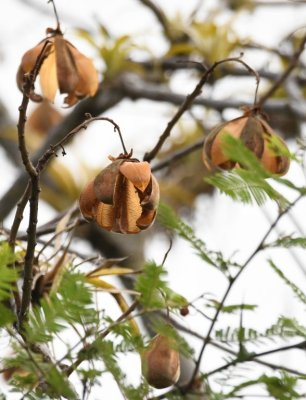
154,290
8,275
31,367
296,290
280,388
283,328
151,284
128,340
106,351
71,304
170,220
246,184
231,308
288,242
7,282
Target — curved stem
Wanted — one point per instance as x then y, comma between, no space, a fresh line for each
189,99
292,64
56,14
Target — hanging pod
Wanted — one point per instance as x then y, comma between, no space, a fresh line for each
160,362
64,69
122,198
256,134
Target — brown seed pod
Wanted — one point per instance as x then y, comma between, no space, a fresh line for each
256,134
64,68
123,198
88,201
160,362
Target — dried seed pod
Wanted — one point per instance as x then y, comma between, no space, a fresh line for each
160,362
255,133
272,161
64,68
88,201
123,198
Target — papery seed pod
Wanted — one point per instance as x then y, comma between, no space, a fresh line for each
64,68
88,201
160,362
123,198
256,134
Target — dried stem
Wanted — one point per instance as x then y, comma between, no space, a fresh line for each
80,357
189,99
32,190
56,15
292,64
253,356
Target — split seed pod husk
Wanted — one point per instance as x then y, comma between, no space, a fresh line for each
122,198
256,134
160,362
64,69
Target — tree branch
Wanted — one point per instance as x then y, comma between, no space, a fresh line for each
232,282
189,99
97,105
292,65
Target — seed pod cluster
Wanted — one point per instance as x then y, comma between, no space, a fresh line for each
256,134
160,362
123,197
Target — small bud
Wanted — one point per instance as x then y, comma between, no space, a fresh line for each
161,362
184,311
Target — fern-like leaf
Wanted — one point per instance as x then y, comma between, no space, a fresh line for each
296,290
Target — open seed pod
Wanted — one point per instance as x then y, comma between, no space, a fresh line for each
160,362
122,198
256,134
64,69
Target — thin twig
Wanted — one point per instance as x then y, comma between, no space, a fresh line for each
252,356
230,285
34,186
80,356
56,14
189,99
292,64
219,346
45,158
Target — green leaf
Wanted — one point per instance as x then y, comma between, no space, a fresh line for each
170,220
288,242
8,275
151,284
246,184
296,290
71,304
281,388
229,309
